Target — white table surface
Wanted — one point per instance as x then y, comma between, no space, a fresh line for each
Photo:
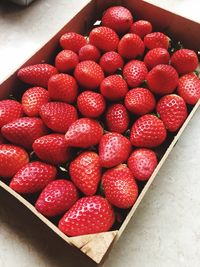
166,228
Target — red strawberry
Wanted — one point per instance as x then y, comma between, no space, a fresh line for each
111,62
117,18
91,104
162,79
84,133
33,99
12,158
156,56
52,149
37,75
104,38
117,118
10,110
156,39
89,74
58,116
120,187
114,149
142,162
114,87
184,61
135,72
140,101
189,88
56,198
131,46
63,87
148,131
85,172
66,61
72,41
172,111
89,215
24,131
33,177
89,52
141,28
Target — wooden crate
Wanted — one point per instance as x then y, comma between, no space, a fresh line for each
97,246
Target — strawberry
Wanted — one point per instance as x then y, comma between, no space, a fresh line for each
135,72
63,87
58,116
117,118
141,28
114,148
155,57
89,74
162,79
131,46
52,148
120,187
72,41
89,52
12,158
184,61
84,133
114,87
189,88
156,39
172,111
140,101
148,131
10,110
37,75
142,162
110,62
117,18
104,38
33,177
33,99
24,131
56,198
91,104
66,61
89,215
85,172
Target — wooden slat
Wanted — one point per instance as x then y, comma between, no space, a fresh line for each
96,245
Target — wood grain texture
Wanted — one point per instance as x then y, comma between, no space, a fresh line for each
96,245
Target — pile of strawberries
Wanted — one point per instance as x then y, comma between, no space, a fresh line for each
97,116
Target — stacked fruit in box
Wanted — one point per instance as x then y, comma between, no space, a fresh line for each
84,136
